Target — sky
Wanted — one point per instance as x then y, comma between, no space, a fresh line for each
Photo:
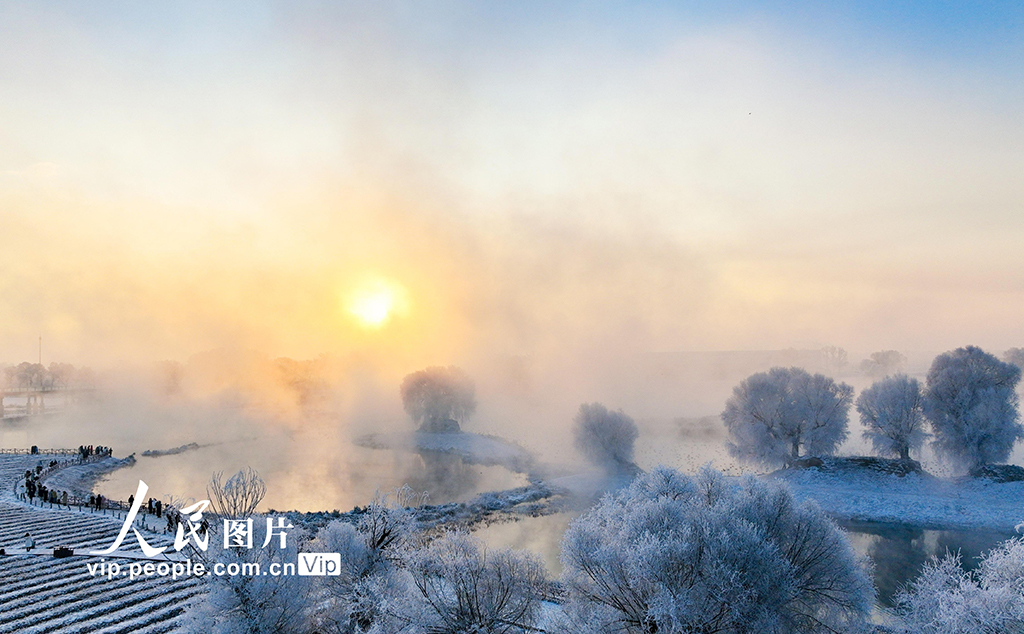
431,183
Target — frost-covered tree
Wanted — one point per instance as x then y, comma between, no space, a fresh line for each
772,416
834,358
990,600
239,496
253,601
439,398
369,578
891,413
62,374
605,438
25,374
883,363
971,401
464,588
673,554
351,605
1014,356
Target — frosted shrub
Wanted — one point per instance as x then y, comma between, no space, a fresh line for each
674,554
357,599
254,603
990,600
462,588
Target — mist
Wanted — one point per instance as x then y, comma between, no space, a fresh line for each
635,210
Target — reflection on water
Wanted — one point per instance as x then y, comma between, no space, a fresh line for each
539,535
446,476
309,461
899,552
315,482
317,467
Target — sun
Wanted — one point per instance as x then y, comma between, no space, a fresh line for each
374,303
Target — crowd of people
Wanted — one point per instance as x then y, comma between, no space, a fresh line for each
88,451
32,489
153,506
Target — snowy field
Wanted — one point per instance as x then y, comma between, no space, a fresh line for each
41,594
923,501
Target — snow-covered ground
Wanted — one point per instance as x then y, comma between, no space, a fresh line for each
80,479
921,500
40,594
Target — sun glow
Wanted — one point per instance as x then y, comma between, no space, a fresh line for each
373,304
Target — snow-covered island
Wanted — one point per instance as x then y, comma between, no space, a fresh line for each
472,448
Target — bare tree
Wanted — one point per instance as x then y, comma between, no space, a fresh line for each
239,496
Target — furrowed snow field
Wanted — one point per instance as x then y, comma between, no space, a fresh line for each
40,594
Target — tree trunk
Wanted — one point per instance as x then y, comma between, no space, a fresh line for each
796,449
904,453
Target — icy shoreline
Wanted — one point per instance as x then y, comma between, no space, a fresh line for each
81,479
917,500
156,453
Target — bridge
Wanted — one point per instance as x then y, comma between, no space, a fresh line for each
34,403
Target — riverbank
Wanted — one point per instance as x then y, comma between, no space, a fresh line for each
917,499
80,479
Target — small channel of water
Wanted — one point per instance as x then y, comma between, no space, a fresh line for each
898,552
